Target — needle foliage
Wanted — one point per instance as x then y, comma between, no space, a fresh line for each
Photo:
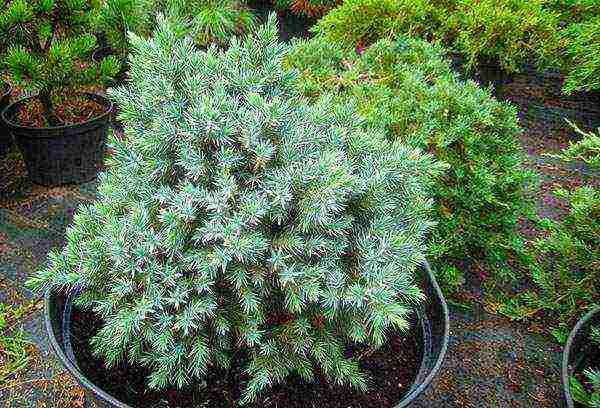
235,216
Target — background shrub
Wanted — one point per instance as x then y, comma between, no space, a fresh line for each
565,265
587,149
573,11
409,89
366,21
511,33
236,217
582,56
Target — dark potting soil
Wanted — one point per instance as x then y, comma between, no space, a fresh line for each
70,111
391,369
290,25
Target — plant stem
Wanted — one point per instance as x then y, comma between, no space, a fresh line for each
48,108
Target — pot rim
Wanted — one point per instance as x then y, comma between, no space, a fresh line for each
105,101
567,353
57,349
414,394
406,399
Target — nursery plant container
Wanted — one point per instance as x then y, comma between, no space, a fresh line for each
6,141
577,354
485,73
290,25
432,320
63,154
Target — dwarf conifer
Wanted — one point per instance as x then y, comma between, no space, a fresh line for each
236,216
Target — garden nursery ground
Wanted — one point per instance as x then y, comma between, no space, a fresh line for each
492,361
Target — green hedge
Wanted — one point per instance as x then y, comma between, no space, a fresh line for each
582,56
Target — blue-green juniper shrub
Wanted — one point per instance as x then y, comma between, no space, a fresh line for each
235,215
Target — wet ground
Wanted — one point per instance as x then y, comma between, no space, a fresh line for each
491,361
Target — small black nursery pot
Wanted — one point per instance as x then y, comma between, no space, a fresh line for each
63,154
485,73
432,327
490,73
6,141
579,353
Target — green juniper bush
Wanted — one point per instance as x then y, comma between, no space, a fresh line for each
510,33
407,88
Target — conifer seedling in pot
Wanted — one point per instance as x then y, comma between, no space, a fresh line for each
46,48
237,227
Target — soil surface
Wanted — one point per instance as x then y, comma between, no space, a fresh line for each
391,371
70,111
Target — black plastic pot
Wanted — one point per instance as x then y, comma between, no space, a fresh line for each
485,73
6,141
63,154
577,351
433,322
289,24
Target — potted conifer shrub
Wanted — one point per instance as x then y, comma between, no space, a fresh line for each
210,21
246,245
60,130
581,363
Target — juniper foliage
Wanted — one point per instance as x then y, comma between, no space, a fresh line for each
564,267
408,88
586,150
235,215
511,33
581,56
